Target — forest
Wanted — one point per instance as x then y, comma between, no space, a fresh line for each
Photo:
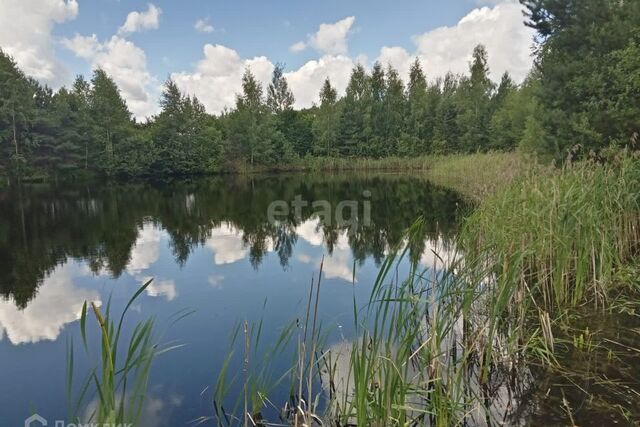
581,97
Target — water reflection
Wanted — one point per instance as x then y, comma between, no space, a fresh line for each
155,412
210,249
226,244
146,249
57,303
119,229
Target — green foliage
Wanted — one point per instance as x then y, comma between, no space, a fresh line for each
325,125
186,140
89,128
112,123
17,111
279,97
587,62
513,108
253,135
475,99
354,136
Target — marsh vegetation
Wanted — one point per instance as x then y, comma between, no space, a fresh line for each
481,339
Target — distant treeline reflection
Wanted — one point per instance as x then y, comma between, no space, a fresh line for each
43,226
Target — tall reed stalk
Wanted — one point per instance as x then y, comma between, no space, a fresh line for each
119,383
556,240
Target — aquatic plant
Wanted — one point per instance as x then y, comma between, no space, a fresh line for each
118,385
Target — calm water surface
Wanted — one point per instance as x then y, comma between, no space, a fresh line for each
210,248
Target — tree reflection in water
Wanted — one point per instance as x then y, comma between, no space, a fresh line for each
43,226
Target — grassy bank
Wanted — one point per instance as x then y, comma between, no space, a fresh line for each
480,175
338,164
476,176
560,236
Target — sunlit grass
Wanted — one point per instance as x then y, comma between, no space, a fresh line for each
559,238
478,176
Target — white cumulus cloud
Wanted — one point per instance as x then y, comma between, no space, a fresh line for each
329,39
146,250
398,57
217,77
203,26
499,28
298,47
332,38
338,265
306,81
216,280
139,21
126,63
227,245
25,34
160,288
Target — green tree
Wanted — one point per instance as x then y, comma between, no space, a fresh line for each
355,118
326,123
279,96
252,131
112,122
475,100
394,112
582,47
81,104
17,110
185,140
378,88
446,133
416,118
280,102
513,107
57,132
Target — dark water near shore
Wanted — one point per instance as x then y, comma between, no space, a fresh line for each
210,248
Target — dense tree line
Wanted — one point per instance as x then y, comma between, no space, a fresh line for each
88,128
582,95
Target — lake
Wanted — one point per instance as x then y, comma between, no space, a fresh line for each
218,248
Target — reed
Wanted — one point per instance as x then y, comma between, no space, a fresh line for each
556,240
419,356
480,175
118,385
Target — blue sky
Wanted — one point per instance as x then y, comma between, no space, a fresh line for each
141,43
267,28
